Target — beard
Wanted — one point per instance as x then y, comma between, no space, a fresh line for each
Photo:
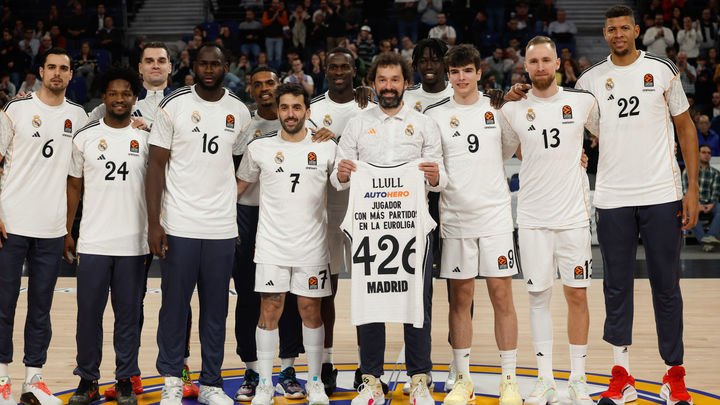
392,102
293,130
542,84
118,117
621,53
218,83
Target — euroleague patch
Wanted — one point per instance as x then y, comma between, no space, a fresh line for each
502,263
489,118
134,146
648,80
230,121
68,126
579,272
312,159
313,283
567,112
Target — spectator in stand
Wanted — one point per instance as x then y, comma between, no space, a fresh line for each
335,24
182,67
513,33
584,63
300,24
479,29
352,15
85,65
6,85
687,73
384,47
45,44
408,48
562,30
7,20
193,46
18,30
365,45
689,39
658,37
273,21
317,73
525,20
709,193
407,18
707,136
40,30
262,59
321,10
286,67
251,4
227,41
29,44
714,109
704,87
30,84
111,39
443,31
76,27
249,32
708,30
501,65
13,59
569,71
318,33
53,16
98,20
650,8
671,54
298,76
428,10
58,39
545,13
240,67
189,80
496,16
676,21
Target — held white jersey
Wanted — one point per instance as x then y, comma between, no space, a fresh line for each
476,200
200,187
418,99
258,126
554,189
293,176
388,224
637,164
113,163
36,142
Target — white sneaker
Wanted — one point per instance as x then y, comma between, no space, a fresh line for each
419,393
452,375
37,392
578,391
369,392
462,392
172,391
509,393
263,394
210,395
543,393
6,397
316,393
407,385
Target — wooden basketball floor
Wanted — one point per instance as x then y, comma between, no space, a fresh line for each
702,335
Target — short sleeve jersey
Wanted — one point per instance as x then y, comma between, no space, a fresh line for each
418,99
258,126
36,142
113,163
293,176
637,164
476,200
554,189
200,187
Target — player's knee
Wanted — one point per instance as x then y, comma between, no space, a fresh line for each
576,297
540,299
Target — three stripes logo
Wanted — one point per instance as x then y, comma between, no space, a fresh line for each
196,129
456,134
36,135
372,131
532,128
101,157
270,284
279,170
456,270
611,98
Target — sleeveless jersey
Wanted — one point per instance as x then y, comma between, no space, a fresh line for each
388,224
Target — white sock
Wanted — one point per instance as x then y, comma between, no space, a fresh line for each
461,359
578,353
327,355
4,372
187,360
508,361
31,372
285,363
359,358
621,355
543,355
267,343
313,341
251,365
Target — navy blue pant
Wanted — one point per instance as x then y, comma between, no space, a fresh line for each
207,263
371,336
247,309
125,275
659,227
43,256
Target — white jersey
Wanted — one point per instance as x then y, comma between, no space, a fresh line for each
476,201
418,99
637,164
36,142
388,224
113,163
258,126
293,176
200,187
554,189
145,107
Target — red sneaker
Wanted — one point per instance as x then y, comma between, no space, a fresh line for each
621,388
673,390
111,395
190,390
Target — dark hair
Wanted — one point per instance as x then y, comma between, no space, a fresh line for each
619,10
340,49
435,45
705,146
55,51
541,39
263,69
156,44
296,89
213,45
389,59
462,55
120,73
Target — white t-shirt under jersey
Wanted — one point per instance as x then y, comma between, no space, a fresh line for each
36,142
554,189
293,176
418,99
200,187
476,201
113,163
637,164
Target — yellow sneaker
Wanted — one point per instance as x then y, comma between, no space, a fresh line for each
509,394
462,391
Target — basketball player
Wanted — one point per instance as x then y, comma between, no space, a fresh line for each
427,60
391,134
195,232
36,144
292,171
477,224
110,157
554,227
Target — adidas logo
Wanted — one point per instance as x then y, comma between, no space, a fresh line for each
456,134
539,354
36,135
532,128
270,283
530,282
611,97
279,170
371,131
456,270
196,129
102,157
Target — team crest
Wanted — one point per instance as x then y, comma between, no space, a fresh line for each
530,114
195,117
454,122
327,121
312,159
229,121
409,131
68,126
279,158
567,112
418,107
579,273
648,80
609,85
134,146
257,133
313,283
502,263
102,146
36,122
489,118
